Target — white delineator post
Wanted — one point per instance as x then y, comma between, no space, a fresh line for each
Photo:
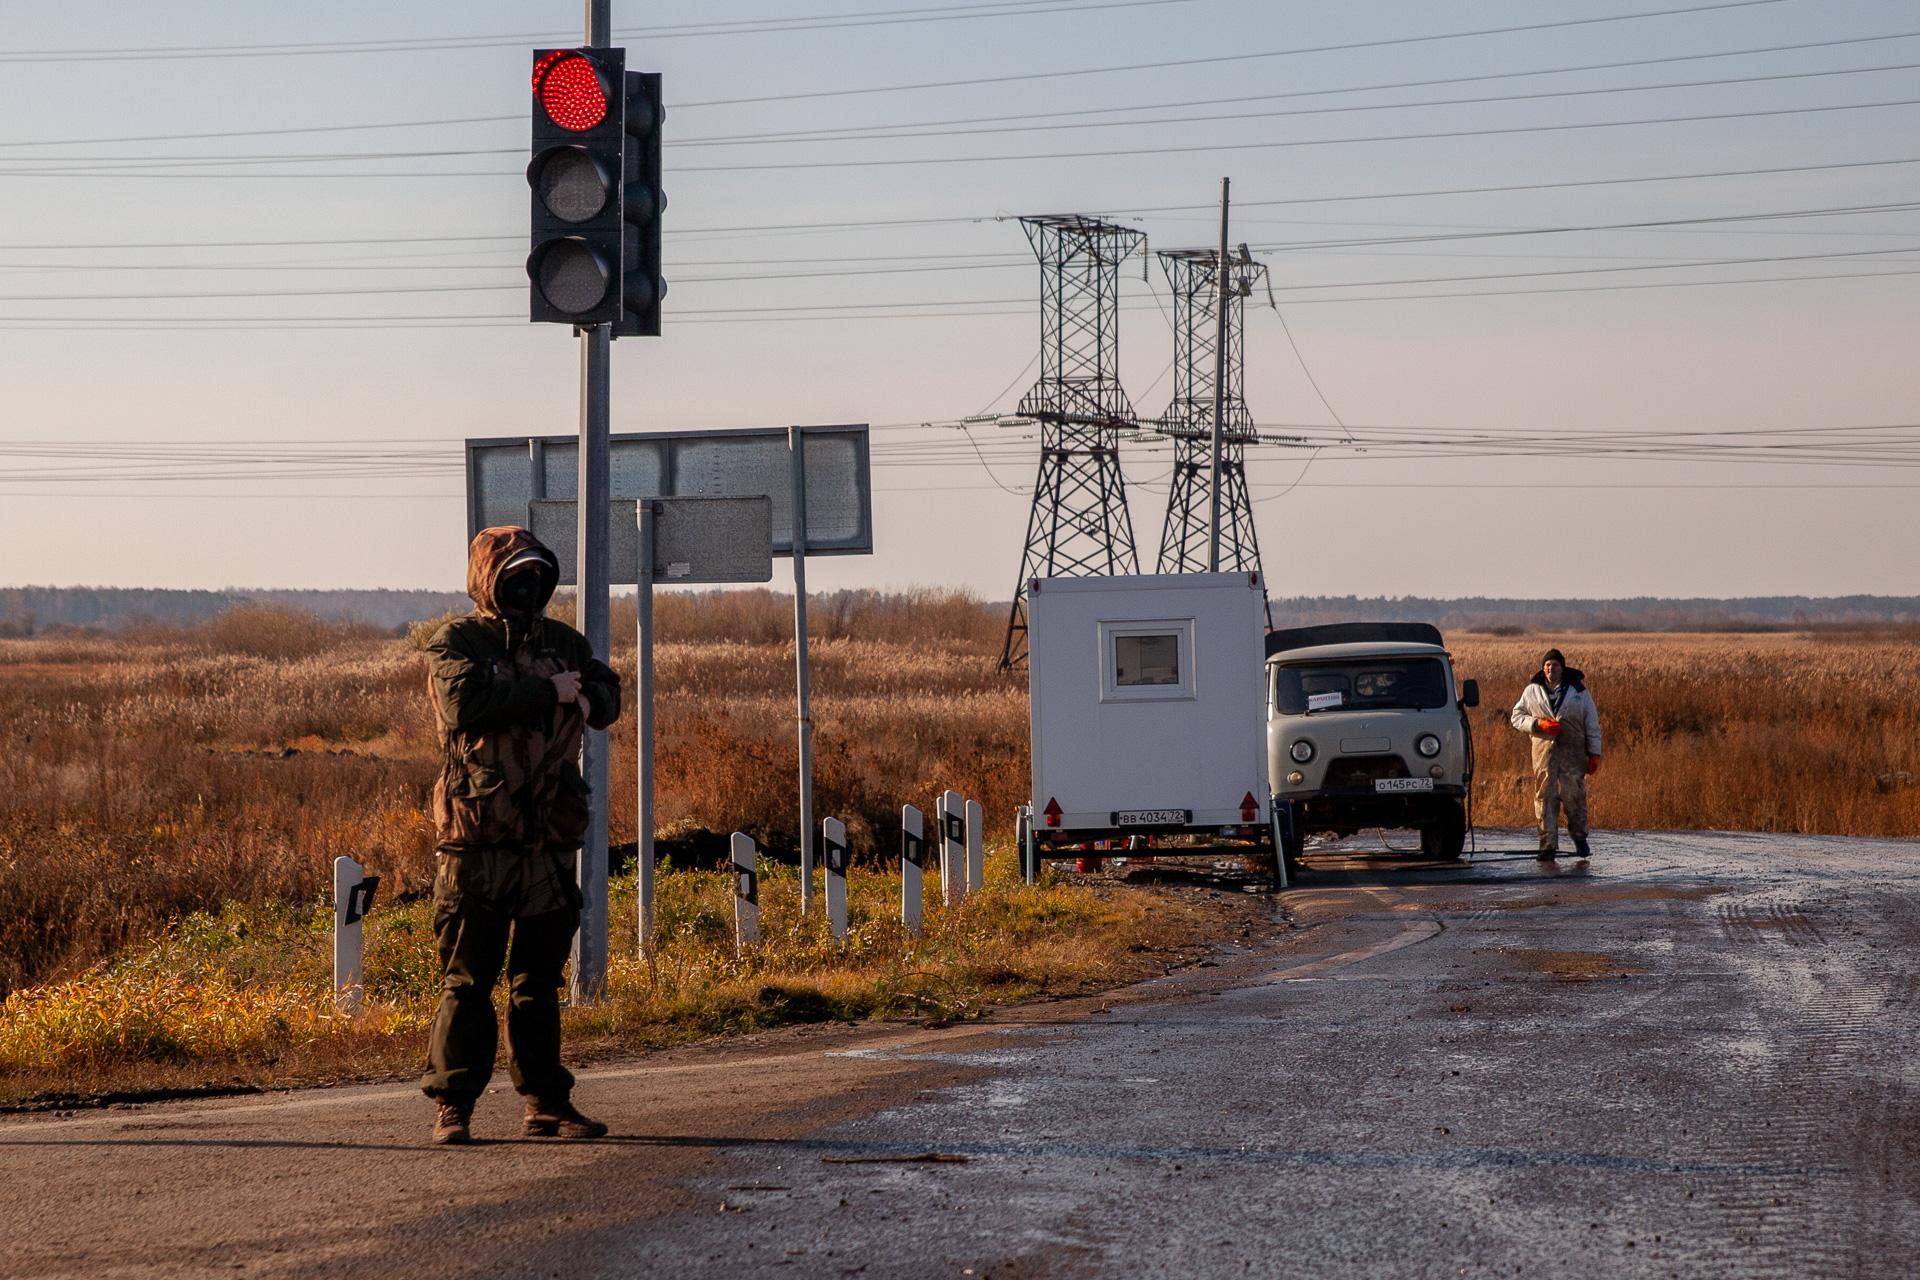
950,813
352,895
833,850
643,515
746,892
976,847
913,861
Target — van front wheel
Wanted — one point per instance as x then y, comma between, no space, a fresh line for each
1446,836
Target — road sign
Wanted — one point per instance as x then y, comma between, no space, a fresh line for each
695,540
506,474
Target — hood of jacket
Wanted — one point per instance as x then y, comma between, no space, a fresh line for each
488,555
1573,677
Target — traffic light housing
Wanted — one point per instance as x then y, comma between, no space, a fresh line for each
643,283
579,248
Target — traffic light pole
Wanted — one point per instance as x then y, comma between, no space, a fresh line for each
589,977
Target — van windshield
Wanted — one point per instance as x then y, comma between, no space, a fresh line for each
1409,684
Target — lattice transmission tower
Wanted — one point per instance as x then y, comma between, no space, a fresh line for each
1078,526
1185,539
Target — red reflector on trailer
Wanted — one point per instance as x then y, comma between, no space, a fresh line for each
1052,812
1248,809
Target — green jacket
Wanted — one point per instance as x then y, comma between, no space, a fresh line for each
510,776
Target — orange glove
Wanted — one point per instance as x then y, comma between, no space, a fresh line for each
1551,728
1593,765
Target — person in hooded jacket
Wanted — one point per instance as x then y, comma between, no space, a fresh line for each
1557,713
513,693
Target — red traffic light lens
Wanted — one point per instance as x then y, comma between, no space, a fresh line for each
570,92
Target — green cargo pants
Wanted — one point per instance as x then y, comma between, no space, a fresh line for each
495,907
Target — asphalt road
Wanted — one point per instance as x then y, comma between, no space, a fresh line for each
1694,1056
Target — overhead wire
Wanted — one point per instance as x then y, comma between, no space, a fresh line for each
80,168
520,118
432,44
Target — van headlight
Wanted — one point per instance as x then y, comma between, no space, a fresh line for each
1301,751
1427,745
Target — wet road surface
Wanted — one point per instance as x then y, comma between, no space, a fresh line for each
1695,1055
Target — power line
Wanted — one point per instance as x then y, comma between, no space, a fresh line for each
887,132
405,290
934,129
79,169
862,224
758,26
1064,73
861,129
818,312
1214,147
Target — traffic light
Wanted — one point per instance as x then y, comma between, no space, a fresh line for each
644,202
580,146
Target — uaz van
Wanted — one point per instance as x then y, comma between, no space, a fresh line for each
1365,729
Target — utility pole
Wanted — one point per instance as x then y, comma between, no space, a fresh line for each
589,978
1219,386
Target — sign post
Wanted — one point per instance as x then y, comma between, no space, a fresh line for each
913,861
643,519
797,485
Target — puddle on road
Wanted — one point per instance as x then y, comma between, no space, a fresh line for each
987,1059
1572,966
1585,895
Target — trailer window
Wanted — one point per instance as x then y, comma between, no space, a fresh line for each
1146,660
1418,684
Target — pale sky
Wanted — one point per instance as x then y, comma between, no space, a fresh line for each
105,392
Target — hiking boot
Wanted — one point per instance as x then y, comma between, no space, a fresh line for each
560,1120
451,1124
1580,849
1547,855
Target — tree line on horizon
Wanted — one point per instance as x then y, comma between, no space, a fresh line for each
25,611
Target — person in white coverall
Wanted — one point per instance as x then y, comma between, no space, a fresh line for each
1557,713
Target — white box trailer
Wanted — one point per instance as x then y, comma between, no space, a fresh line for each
1147,709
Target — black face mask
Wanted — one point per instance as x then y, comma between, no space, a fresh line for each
520,592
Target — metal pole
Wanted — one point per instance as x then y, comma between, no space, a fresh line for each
589,977
643,723
804,695
1219,385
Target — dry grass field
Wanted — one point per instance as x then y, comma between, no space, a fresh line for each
149,776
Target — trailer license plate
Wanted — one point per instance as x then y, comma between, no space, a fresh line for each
1151,817
1403,784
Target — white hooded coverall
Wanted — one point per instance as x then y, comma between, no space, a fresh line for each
1559,763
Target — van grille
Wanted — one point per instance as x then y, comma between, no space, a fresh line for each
1361,771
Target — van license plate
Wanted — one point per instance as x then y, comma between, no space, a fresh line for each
1403,784
1151,817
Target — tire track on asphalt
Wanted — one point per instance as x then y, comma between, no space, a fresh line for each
1786,1223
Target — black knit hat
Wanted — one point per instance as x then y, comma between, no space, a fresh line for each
1554,655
